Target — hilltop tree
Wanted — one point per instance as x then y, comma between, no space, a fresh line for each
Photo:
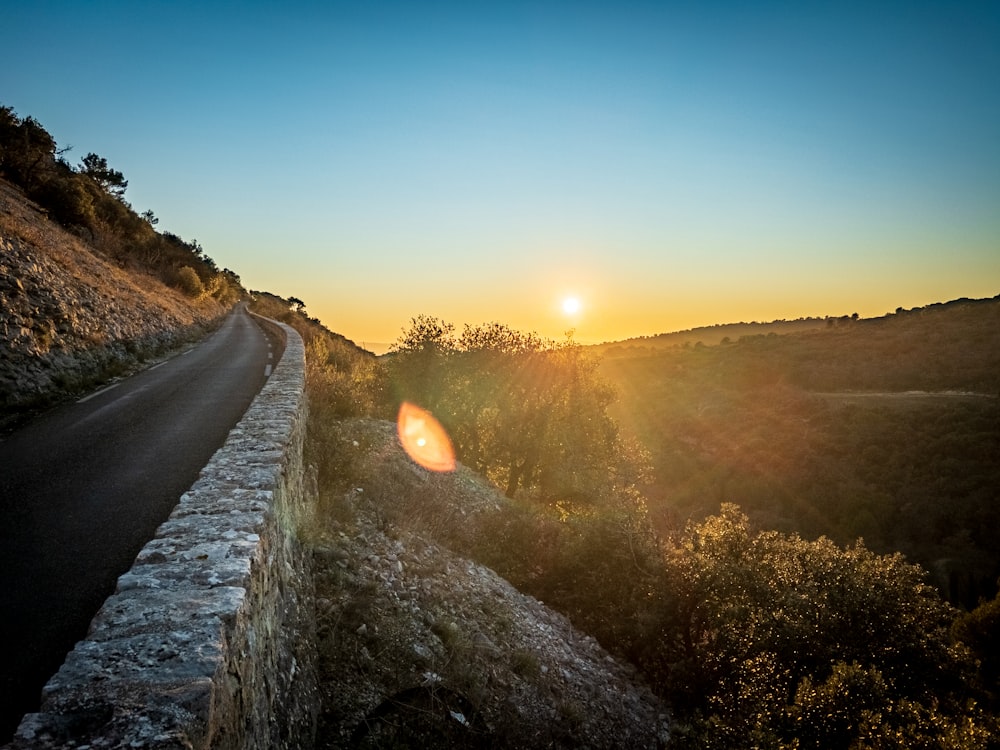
110,180
419,362
27,150
426,334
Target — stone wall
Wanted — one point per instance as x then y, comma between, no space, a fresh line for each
207,641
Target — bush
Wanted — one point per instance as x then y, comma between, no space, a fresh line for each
782,642
68,201
189,282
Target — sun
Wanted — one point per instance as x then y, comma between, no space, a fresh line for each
571,305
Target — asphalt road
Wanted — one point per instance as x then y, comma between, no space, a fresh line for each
85,486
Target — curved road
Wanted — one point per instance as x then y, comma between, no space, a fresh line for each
84,487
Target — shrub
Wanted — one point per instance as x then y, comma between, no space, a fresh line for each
189,282
68,201
782,642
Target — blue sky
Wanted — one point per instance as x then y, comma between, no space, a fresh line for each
672,164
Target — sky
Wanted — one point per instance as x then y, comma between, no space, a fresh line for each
668,164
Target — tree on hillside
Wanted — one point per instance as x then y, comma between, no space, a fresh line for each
419,362
27,150
426,334
110,180
529,414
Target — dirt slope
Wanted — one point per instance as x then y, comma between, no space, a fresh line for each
69,319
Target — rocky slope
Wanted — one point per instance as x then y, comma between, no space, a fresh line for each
421,647
70,319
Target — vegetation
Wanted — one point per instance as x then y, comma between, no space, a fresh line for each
89,200
343,380
744,537
757,638
531,415
774,641
884,429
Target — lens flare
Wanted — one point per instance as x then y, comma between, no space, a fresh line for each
424,439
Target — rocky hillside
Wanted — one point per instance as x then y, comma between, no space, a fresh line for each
422,647
69,318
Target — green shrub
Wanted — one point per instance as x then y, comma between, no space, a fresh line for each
68,201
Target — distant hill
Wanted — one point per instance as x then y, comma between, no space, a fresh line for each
728,333
884,428
705,335
944,346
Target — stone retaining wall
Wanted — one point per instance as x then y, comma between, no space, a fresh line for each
207,641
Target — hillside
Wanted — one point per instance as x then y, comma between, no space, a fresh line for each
70,318
704,335
767,627
886,429
422,647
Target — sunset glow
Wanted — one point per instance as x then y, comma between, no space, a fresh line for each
675,165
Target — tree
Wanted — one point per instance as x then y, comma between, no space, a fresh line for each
426,334
418,366
9,126
189,282
110,180
529,414
27,150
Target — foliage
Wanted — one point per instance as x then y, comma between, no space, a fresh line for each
110,180
189,282
780,642
757,639
529,414
342,380
27,150
90,201
978,630
789,427
69,199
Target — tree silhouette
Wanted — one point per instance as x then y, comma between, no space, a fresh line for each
110,180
